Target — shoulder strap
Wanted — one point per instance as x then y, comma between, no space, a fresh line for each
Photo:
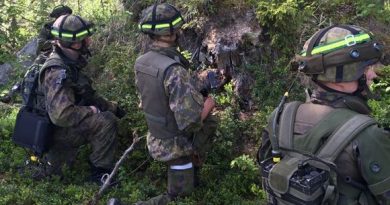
54,60
286,125
31,97
343,136
154,59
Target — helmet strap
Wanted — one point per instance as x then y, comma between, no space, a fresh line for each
363,87
83,50
316,39
328,89
61,27
154,16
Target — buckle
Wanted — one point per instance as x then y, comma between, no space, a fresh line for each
348,38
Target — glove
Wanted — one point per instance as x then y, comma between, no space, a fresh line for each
120,113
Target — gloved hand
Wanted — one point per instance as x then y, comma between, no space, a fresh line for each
120,113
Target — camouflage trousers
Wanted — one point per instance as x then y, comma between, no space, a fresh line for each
183,156
99,130
166,150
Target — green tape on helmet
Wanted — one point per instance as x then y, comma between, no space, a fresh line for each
161,19
338,54
71,28
348,40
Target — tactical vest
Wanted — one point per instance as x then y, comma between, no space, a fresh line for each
72,77
150,70
307,173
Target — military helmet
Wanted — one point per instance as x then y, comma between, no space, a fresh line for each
71,28
338,53
60,10
160,19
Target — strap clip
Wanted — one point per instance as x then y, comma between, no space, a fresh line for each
350,40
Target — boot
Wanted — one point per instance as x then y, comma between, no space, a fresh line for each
181,179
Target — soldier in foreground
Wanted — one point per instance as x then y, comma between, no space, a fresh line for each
178,116
329,146
80,115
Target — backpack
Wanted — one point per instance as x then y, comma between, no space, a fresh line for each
305,178
33,126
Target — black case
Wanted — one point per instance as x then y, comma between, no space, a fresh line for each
32,130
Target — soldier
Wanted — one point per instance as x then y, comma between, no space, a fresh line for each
80,115
332,127
178,116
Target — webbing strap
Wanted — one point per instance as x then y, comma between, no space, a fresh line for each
343,136
60,28
33,93
329,193
316,39
286,126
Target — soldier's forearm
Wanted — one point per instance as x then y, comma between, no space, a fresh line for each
70,116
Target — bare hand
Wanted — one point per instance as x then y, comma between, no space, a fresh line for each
208,106
94,109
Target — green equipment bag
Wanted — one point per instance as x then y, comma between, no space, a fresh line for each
304,178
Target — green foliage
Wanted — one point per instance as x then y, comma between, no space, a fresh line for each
21,20
381,108
282,19
225,98
7,120
376,8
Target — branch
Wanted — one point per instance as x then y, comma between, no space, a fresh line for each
107,179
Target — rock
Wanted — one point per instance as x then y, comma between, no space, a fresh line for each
4,73
28,53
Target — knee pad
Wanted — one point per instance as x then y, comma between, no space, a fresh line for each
180,179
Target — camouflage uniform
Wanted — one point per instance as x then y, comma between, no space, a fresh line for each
186,104
172,105
68,95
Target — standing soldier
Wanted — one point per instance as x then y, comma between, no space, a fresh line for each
178,117
331,132
80,115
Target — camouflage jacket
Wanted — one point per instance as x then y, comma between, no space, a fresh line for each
68,91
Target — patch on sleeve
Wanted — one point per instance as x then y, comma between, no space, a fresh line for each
61,77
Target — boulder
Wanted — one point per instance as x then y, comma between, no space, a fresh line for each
5,70
28,53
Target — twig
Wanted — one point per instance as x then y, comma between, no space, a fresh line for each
107,181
